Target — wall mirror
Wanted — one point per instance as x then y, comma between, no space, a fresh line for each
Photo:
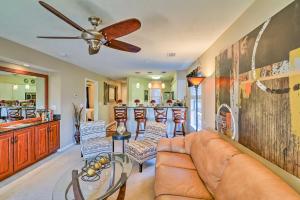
22,93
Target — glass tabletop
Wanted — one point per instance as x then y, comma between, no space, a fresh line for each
107,180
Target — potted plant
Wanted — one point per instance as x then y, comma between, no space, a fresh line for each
152,102
119,102
137,101
77,119
169,102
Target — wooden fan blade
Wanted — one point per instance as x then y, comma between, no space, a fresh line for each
120,29
58,37
61,16
123,46
93,51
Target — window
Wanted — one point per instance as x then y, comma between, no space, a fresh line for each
193,108
155,95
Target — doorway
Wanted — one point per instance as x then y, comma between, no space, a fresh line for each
91,100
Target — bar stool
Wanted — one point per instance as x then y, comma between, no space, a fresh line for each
121,116
179,118
30,113
140,118
14,114
160,114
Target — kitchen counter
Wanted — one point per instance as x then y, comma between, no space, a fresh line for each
17,126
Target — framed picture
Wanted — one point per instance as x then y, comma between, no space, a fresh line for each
146,95
168,95
110,93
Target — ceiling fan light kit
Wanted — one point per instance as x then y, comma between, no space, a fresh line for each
96,38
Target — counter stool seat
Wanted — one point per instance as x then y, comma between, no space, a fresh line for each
140,118
160,114
121,116
179,119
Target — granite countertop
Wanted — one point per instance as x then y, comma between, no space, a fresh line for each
22,125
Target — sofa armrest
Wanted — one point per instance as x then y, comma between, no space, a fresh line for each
171,145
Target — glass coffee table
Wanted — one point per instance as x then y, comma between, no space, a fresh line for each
73,185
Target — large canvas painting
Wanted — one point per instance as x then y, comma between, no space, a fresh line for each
258,89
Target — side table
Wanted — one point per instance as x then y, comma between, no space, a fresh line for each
123,137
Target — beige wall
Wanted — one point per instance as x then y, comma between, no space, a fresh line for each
255,15
66,84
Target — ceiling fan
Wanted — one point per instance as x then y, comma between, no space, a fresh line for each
105,36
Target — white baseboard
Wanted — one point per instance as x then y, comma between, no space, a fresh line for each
65,147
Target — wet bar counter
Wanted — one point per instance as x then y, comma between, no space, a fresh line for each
25,142
6,127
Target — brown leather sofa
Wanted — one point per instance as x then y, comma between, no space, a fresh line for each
204,166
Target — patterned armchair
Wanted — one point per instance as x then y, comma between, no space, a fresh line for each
93,139
142,150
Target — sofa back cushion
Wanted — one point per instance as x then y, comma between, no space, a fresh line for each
211,155
245,178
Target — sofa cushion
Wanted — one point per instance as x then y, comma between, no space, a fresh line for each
211,155
247,179
179,182
174,160
171,144
173,197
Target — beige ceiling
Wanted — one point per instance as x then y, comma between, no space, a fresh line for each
186,27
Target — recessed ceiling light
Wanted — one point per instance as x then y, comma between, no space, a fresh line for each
171,54
149,72
163,72
155,77
137,72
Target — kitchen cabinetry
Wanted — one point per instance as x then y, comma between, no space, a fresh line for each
6,154
22,147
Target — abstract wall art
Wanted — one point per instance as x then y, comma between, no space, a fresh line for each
258,78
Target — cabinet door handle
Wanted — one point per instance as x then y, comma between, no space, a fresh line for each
16,139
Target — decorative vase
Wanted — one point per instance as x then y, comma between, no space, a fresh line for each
77,134
121,129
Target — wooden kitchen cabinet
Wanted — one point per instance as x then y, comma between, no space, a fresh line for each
54,136
41,141
23,148
6,155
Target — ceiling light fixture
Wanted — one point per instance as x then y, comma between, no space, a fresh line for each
155,77
149,72
138,85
